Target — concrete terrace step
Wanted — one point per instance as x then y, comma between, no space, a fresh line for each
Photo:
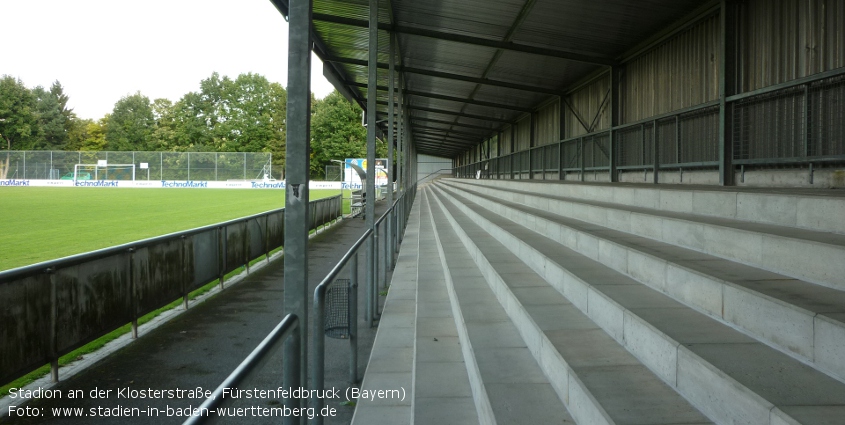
729,376
812,209
598,380
391,363
509,387
444,379
798,317
809,255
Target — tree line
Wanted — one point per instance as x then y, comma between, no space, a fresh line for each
244,114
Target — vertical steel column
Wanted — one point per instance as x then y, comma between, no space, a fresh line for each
726,83
615,104
531,140
583,155
561,137
389,247
805,126
370,190
655,153
294,361
513,150
296,190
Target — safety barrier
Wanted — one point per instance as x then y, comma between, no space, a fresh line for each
800,122
51,308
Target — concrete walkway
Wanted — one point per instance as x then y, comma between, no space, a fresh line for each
200,347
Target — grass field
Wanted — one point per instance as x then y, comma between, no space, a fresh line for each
44,223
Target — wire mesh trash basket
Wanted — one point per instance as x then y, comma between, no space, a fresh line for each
337,309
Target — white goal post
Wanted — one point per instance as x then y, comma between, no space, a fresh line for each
100,168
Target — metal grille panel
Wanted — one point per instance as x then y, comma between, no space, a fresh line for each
337,309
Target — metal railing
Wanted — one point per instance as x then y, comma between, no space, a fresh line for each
286,330
396,216
798,122
51,308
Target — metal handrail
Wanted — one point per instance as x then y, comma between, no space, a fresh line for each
318,347
318,350
287,329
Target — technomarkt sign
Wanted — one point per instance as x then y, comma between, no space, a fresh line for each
184,184
173,184
14,182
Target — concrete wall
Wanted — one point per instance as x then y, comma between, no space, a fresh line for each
427,164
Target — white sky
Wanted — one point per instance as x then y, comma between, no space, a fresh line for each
102,50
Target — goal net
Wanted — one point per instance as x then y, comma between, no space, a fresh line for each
104,172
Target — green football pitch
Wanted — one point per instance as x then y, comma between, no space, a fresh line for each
44,223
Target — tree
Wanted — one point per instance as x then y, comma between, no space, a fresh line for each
242,115
278,145
18,118
130,125
58,91
78,133
337,133
163,137
96,135
52,121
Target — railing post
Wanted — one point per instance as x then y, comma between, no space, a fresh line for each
223,233
133,293
318,353
369,282
375,279
54,327
353,320
267,238
246,245
182,276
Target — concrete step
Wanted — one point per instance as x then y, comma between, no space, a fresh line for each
811,209
729,376
596,378
509,387
812,256
391,363
445,380
798,317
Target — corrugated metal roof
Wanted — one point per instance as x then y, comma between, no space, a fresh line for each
494,54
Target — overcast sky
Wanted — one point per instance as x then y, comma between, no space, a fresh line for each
102,50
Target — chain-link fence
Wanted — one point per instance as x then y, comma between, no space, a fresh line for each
213,166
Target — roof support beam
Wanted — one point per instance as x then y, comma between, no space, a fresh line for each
449,98
457,124
459,139
451,139
450,76
462,142
446,130
452,113
428,141
477,41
